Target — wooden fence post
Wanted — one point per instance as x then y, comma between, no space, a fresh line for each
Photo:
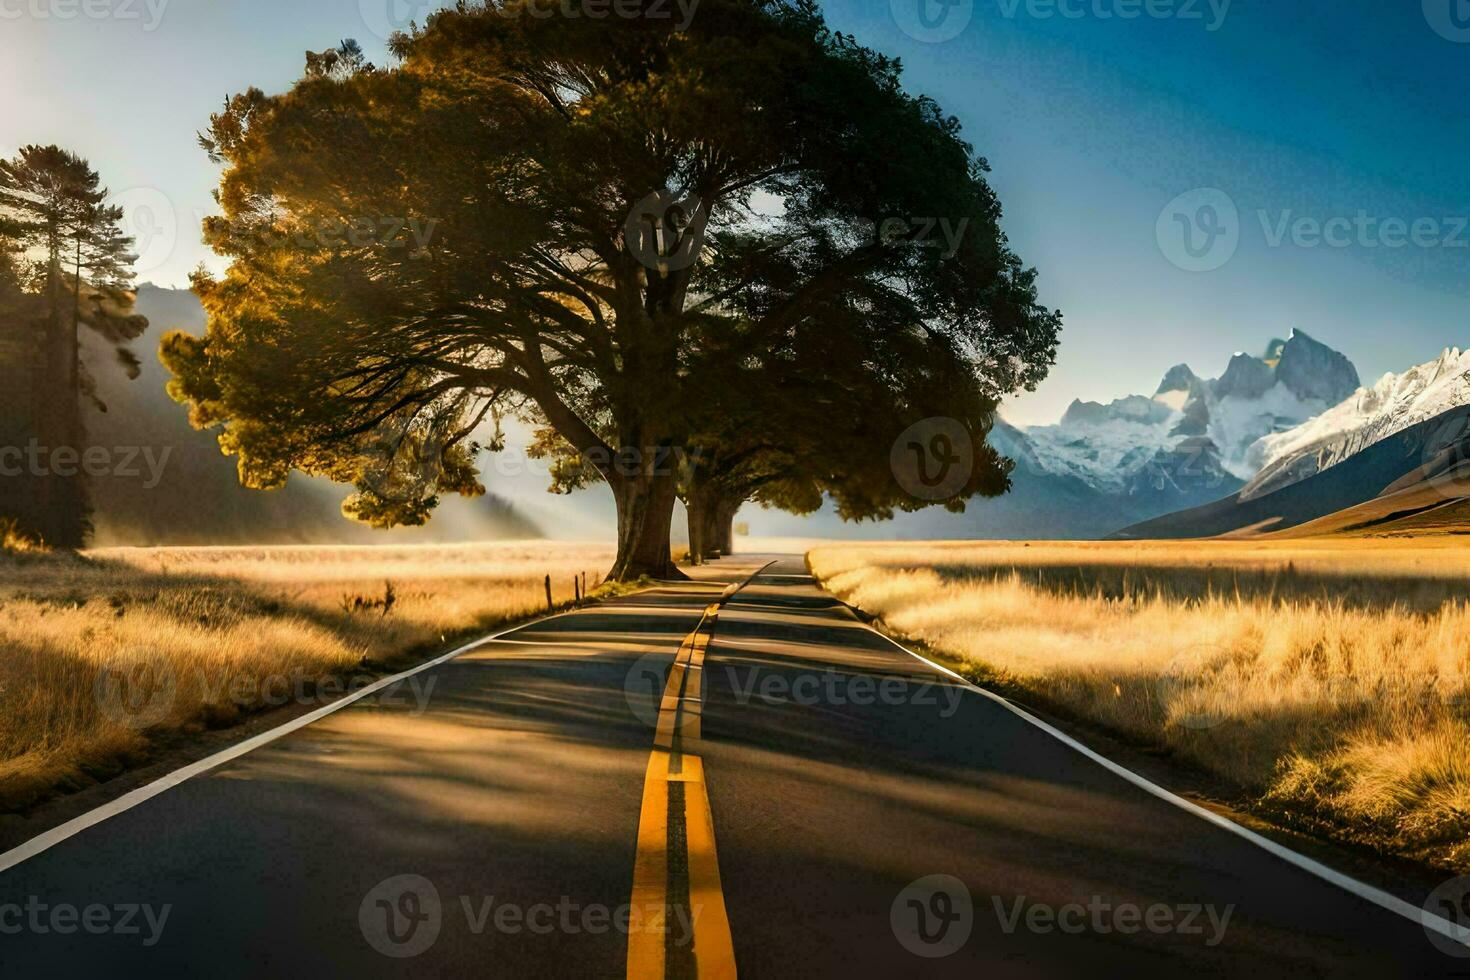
549,604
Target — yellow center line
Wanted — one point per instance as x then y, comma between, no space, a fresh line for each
676,873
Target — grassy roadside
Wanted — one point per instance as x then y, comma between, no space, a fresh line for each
115,654
1328,680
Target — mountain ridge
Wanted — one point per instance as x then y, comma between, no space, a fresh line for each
1108,445
1394,403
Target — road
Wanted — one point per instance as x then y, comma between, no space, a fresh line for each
692,780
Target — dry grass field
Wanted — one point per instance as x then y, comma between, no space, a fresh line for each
108,652
1330,679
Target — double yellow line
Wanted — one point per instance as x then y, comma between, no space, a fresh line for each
676,874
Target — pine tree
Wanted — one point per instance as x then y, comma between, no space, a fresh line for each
69,249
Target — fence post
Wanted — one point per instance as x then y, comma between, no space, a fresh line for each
549,604
577,591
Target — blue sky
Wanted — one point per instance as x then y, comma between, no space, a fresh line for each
1343,116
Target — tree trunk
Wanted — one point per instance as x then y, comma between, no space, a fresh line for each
694,508
704,525
645,493
645,513
724,526
58,424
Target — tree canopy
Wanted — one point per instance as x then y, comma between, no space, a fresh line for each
592,222
63,238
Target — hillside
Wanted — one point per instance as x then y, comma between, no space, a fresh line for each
1394,403
1412,475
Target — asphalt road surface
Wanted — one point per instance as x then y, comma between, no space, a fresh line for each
688,781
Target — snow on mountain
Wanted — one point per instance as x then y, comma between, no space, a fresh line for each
1103,445
1195,436
1237,423
1395,403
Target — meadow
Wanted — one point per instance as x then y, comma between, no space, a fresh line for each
111,652
1325,680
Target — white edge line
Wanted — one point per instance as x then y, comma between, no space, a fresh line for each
1379,897
142,794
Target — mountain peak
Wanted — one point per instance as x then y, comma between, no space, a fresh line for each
1113,446
1134,408
1178,378
1312,370
1246,377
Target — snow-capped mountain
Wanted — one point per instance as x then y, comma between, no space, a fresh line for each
1194,439
1395,403
1409,482
1103,467
1103,445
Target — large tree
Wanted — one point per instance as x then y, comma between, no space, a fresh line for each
580,210
66,247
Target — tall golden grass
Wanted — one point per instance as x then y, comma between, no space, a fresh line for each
1330,679
225,632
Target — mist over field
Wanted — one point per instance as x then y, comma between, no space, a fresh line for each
199,499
